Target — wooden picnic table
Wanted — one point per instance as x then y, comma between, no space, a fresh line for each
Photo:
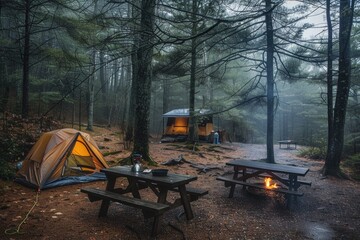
160,186
288,143
245,170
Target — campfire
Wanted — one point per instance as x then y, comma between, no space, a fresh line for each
269,184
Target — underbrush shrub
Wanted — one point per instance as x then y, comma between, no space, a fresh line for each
351,165
17,136
317,151
350,148
13,147
12,150
7,170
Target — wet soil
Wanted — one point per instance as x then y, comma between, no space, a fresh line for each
328,210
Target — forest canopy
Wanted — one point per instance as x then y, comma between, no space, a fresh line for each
121,63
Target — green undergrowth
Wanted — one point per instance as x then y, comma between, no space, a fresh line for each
313,153
7,170
351,166
13,149
316,151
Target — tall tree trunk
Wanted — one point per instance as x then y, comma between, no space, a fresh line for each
270,83
129,133
91,83
102,77
90,93
208,98
143,83
4,80
166,91
73,95
106,112
80,108
329,80
332,164
192,120
26,57
124,86
114,90
165,105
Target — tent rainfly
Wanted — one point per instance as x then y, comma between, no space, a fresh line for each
62,157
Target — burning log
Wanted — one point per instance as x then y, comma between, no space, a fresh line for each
268,183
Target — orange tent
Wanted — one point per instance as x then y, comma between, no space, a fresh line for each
61,157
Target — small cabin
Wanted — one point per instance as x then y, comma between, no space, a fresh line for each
177,124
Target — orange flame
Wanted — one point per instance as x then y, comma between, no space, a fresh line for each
268,184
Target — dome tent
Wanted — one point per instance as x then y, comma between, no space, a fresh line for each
62,157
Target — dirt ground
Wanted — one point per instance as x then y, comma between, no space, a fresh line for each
328,210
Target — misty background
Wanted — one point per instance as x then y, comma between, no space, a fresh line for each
75,46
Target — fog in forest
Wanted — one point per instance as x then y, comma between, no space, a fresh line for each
79,62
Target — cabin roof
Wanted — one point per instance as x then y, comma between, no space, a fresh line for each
184,112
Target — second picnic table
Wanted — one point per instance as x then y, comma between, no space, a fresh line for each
160,185
287,143
247,169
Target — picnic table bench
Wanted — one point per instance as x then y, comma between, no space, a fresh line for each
288,143
244,170
160,185
150,209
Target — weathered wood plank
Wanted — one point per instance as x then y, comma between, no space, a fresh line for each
98,194
274,167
